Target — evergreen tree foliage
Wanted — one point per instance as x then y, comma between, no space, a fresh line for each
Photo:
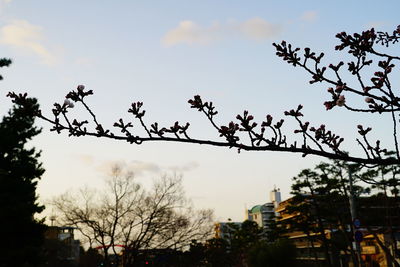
320,203
22,235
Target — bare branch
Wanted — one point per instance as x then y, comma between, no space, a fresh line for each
377,91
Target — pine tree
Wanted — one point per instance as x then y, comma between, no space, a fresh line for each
21,234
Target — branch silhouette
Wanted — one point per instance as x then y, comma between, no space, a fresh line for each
245,133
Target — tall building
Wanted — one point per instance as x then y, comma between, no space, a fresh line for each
275,197
264,214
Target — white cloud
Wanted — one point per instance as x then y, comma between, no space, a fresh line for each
259,29
188,32
309,16
185,167
27,37
139,167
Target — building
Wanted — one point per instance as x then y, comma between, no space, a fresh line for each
308,244
265,214
224,230
61,245
376,214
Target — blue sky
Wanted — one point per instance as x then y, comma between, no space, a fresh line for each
163,53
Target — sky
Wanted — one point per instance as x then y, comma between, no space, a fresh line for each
163,53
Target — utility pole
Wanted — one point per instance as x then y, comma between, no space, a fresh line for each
353,213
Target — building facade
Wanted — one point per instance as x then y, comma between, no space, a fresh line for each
264,215
309,238
224,230
62,246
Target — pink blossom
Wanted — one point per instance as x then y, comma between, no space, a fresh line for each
341,101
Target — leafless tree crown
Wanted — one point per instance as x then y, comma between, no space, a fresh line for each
129,216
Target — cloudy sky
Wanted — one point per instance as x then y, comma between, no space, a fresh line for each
163,53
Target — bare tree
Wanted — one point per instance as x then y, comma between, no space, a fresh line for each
128,216
370,53
164,219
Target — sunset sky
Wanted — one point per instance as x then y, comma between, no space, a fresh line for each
163,53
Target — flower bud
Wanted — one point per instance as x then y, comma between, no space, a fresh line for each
68,103
369,100
341,101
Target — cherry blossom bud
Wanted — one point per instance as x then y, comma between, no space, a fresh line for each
341,101
369,100
328,105
339,88
68,103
